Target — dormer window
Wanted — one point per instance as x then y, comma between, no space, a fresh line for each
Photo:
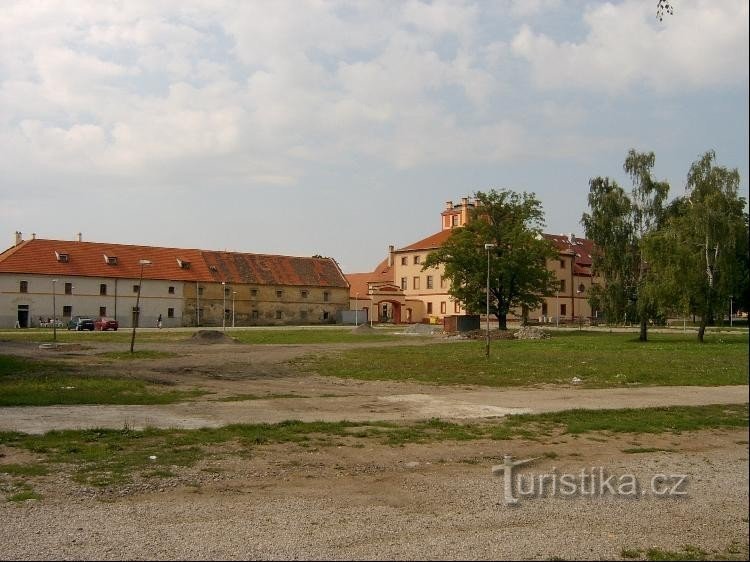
212,268
183,264
62,257
110,260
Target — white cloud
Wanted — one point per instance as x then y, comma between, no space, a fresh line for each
704,44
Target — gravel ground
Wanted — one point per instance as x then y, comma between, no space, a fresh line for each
437,501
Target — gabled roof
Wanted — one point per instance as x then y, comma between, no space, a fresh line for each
583,249
262,269
429,243
359,282
88,259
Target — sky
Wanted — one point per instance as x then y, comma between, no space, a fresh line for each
337,128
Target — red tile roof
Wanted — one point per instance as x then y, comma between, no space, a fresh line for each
265,269
359,282
87,259
429,243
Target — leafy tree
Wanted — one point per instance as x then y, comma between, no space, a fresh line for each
519,278
617,224
700,255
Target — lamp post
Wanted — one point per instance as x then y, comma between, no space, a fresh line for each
730,310
356,306
488,247
54,311
372,303
557,304
224,306
233,294
138,303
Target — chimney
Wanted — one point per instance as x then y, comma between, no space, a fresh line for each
19,238
80,237
390,255
448,205
572,238
33,235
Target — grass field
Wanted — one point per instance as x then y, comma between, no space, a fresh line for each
599,359
106,456
254,336
24,382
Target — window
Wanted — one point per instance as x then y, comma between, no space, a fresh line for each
183,264
67,311
254,315
226,291
563,310
254,293
279,293
102,311
68,288
200,291
110,260
417,260
135,288
170,313
442,282
325,315
562,264
171,290
454,220
429,281
326,296
581,288
278,315
62,257
456,306
23,287
442,307
102,288
303,293
403,283
562,285
404,260
429,308
544,309
415,282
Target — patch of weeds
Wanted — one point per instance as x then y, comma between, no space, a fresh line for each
550,455
139,354
636,450
632,554
25,495
688,552
159,473
24,469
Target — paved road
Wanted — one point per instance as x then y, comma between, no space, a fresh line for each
446,404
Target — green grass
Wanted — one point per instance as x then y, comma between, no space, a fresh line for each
254,336
26,382
107,456
24,495
24,469
687,552
600,359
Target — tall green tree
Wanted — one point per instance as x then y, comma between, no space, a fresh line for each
617,224
699,256
519,278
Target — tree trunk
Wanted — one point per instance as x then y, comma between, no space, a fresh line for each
702,329
643,336
502,321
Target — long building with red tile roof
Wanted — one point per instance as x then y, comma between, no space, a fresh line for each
179,285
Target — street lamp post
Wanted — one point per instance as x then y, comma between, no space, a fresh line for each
54,311
233,294
557,304
730,310
138,303
488,247
356,307
224,306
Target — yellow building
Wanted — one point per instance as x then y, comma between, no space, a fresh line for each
399,291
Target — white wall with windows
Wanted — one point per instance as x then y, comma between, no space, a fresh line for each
27,300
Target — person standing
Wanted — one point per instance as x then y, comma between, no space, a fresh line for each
158,322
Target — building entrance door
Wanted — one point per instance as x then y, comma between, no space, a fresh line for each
23,316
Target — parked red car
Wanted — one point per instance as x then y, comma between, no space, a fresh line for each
105,324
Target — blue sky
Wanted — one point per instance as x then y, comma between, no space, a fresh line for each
338,128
